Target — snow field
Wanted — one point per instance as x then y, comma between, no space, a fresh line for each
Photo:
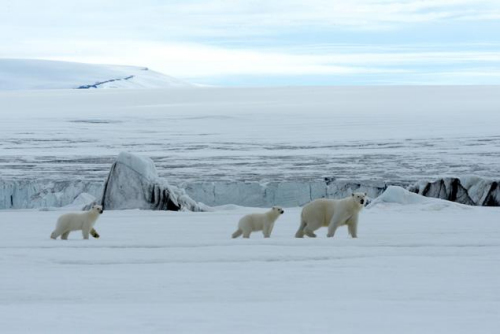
414,268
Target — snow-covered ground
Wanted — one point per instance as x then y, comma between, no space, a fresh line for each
22,74
428,267
396,134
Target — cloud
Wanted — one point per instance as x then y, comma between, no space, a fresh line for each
195,39
195,61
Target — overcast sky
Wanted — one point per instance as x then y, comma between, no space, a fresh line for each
308,42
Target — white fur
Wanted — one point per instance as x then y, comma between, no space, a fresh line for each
331,213
258,222
77,221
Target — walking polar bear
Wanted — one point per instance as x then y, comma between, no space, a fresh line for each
78,221
331,213
258,222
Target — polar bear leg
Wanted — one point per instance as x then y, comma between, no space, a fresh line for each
267,231
55,234
309,233
237,233
300,231
85,234
352,225
334,224
246,232
64,236
94,233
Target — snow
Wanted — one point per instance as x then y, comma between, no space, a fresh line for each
24,74
413,269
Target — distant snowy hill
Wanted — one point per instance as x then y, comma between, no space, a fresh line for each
24,74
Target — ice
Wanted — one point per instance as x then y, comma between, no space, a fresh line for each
250,146
133,183
33,194
470,190
285,193
386,134
398,195
17,194
411,270
22,74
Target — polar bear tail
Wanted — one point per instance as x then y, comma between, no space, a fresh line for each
237,233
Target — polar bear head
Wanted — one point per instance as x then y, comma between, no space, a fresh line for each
97,208
278,210
360,198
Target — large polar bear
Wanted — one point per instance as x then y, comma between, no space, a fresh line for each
78,221
258,222
331,213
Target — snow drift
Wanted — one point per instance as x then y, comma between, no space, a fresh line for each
133,183
26,74
399,195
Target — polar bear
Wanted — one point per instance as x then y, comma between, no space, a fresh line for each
78,221
258,222
331,213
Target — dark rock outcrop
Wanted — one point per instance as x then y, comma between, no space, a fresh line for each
133,183
466,190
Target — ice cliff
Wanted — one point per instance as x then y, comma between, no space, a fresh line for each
42,194
133,183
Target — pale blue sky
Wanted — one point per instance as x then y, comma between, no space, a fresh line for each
249,43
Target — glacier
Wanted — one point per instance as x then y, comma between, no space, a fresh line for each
15,194
253,146
133,183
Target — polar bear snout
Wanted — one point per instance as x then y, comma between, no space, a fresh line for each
279,210
98,208
360,198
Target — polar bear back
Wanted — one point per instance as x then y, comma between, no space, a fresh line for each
75,221
254,221
320,210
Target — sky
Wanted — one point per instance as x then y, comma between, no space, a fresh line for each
267,43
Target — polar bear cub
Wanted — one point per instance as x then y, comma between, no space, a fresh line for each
332,214
78,221
258,222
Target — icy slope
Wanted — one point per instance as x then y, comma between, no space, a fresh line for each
414,269
27,74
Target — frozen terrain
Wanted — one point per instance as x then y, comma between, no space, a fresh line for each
418,266
22,74
231,141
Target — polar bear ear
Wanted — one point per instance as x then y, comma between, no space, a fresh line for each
366,194
352,194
